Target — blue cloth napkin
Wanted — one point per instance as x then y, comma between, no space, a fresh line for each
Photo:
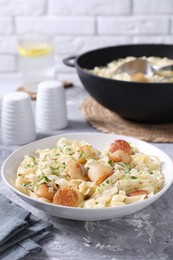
19,231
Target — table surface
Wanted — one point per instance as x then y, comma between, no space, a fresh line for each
147,234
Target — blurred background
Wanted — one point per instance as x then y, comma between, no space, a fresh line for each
81,25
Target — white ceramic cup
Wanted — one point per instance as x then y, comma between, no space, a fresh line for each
51,112
18,126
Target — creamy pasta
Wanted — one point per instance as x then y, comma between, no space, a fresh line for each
108,71
76,174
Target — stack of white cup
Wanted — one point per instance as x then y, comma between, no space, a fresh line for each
51,113
18,126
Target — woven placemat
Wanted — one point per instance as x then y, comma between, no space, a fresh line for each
109,122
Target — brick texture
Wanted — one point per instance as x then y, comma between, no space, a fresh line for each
133,25
79,44
8,63
152,7
56,25
6,25
16,7
89,7
8,44
77,26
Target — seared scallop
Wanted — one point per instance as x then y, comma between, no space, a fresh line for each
99,172
68,197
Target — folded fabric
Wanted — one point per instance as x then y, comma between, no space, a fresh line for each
19,230
25,248
34,226
12,219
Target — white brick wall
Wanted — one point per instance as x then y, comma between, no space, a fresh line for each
6,25
56,25
153,7
80,44
89,7
133,25
81,25
8,44
23,7
8,63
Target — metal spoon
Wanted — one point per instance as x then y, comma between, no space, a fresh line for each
145,67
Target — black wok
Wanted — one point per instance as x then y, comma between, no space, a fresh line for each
143,102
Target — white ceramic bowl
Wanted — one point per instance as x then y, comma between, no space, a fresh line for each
99,141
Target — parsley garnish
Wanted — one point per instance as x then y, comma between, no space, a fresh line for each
45,178
111,163
45,157
54,170
133,177
27,184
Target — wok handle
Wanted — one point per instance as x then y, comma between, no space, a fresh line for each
70,61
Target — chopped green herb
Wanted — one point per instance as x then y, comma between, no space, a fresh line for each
33,158
45,157
27,184
119,163
64,165
81,153
98,190
107,181
44,178
68,149
111,163
133,177
29,166
55,171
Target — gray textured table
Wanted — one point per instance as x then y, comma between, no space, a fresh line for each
147,234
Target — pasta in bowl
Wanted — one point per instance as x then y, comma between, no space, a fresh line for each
89,176
76,174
